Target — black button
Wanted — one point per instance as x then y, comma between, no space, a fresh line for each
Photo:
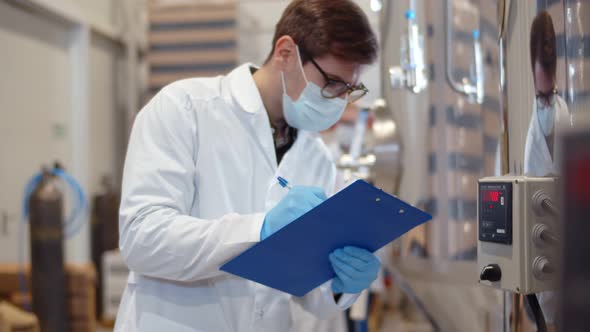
491,273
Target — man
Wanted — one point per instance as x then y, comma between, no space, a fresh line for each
199,184
549,108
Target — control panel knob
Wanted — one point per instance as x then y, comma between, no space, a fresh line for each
542,268
543,236
491,273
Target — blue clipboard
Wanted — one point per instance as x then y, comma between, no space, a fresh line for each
295,259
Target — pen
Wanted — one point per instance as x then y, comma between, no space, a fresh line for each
284,183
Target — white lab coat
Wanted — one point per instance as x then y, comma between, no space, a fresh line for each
306,322
537,158
200,174
303,321
538,162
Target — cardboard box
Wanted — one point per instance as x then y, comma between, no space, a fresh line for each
81,292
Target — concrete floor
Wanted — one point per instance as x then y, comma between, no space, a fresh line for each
395,324
391,324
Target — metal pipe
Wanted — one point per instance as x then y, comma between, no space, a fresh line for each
504,9
568,95
384,34
505,151
517,312
474,91
479,68
457,87
506,312
411,74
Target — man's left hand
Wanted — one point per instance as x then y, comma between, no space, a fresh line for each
355,269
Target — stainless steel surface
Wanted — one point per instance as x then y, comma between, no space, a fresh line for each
383,142
506,303
503,14
375,158
411,294
577,60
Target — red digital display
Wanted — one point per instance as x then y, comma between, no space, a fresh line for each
491,196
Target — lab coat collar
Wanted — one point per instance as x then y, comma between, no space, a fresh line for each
243,89
538,160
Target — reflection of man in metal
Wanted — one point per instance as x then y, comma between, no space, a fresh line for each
549,108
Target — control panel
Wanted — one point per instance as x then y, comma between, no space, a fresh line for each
517,233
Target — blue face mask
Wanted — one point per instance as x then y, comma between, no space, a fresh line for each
546,116
311,112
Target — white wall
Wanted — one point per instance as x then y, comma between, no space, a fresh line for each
105,130
58,101
101,11
34,107
256,23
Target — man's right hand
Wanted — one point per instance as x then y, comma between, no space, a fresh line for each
298,201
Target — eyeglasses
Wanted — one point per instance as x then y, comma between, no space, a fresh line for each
546,98
335,88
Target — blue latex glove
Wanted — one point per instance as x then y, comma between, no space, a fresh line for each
298,201
355,269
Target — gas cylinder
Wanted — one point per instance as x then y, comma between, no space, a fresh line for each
105,230
48,278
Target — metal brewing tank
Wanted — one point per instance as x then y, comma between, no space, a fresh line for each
384,143
48,278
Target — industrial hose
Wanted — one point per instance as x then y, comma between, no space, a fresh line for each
537,312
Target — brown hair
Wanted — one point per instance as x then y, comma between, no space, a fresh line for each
543,44
321,27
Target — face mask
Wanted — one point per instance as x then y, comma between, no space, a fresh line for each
311,112
546,116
